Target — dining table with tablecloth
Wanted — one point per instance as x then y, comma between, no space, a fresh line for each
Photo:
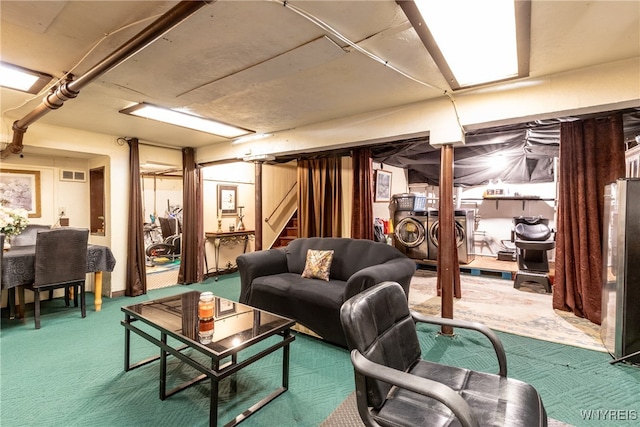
18,269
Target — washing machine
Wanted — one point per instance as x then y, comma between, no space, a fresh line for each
464,227
410,234
410,227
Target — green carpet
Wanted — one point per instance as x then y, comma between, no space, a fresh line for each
70,373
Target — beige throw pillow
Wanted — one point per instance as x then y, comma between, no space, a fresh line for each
318,264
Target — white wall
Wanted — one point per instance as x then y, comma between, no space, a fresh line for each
54,193
496,216
157,192
101,151
242,176
399,185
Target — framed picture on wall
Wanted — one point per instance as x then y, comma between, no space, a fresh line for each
21,189
383,186
227,199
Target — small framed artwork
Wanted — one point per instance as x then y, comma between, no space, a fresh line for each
383,186
224,307
20,189
227,199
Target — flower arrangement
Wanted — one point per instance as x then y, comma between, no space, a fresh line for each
13,221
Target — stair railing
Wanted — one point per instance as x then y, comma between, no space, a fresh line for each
268,218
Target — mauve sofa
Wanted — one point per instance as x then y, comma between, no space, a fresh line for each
271,280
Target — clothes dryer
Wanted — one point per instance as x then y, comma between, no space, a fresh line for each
410,232
464,225
466,219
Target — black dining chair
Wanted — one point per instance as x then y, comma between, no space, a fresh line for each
396,387
60,262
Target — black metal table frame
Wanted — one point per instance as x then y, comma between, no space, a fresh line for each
216,373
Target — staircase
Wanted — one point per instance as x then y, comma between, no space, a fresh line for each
289,233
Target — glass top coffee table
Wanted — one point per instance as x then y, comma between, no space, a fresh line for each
237,327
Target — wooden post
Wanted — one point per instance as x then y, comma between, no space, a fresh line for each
258,213
446,236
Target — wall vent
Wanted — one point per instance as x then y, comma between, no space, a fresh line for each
69,175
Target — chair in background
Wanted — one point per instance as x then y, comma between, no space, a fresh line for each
28,235
60,262
171,246
169,227
172,235
28,238
11,300
533,239
1,253
395,387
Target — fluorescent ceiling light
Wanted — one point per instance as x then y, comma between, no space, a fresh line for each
22,79
254,137
474,42
190,121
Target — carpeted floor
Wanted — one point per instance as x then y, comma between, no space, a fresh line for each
346,415
69,373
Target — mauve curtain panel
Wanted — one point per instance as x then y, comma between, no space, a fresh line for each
591,156
362,213
192,259
320,197
136,270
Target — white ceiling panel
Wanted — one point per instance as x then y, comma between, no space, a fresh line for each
266,67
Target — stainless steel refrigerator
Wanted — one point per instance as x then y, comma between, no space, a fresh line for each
620,329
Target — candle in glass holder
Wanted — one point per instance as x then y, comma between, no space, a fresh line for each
205,315
205,305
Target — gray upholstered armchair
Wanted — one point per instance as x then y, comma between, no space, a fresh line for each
395,387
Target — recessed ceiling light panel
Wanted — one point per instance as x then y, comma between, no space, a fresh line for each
474,42
190,121
22,79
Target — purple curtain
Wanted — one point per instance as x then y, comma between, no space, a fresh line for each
591,156
136,270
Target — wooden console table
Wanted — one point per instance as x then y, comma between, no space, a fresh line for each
224,238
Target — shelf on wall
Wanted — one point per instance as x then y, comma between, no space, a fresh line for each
524,199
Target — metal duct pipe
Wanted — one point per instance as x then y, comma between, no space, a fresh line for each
70,90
